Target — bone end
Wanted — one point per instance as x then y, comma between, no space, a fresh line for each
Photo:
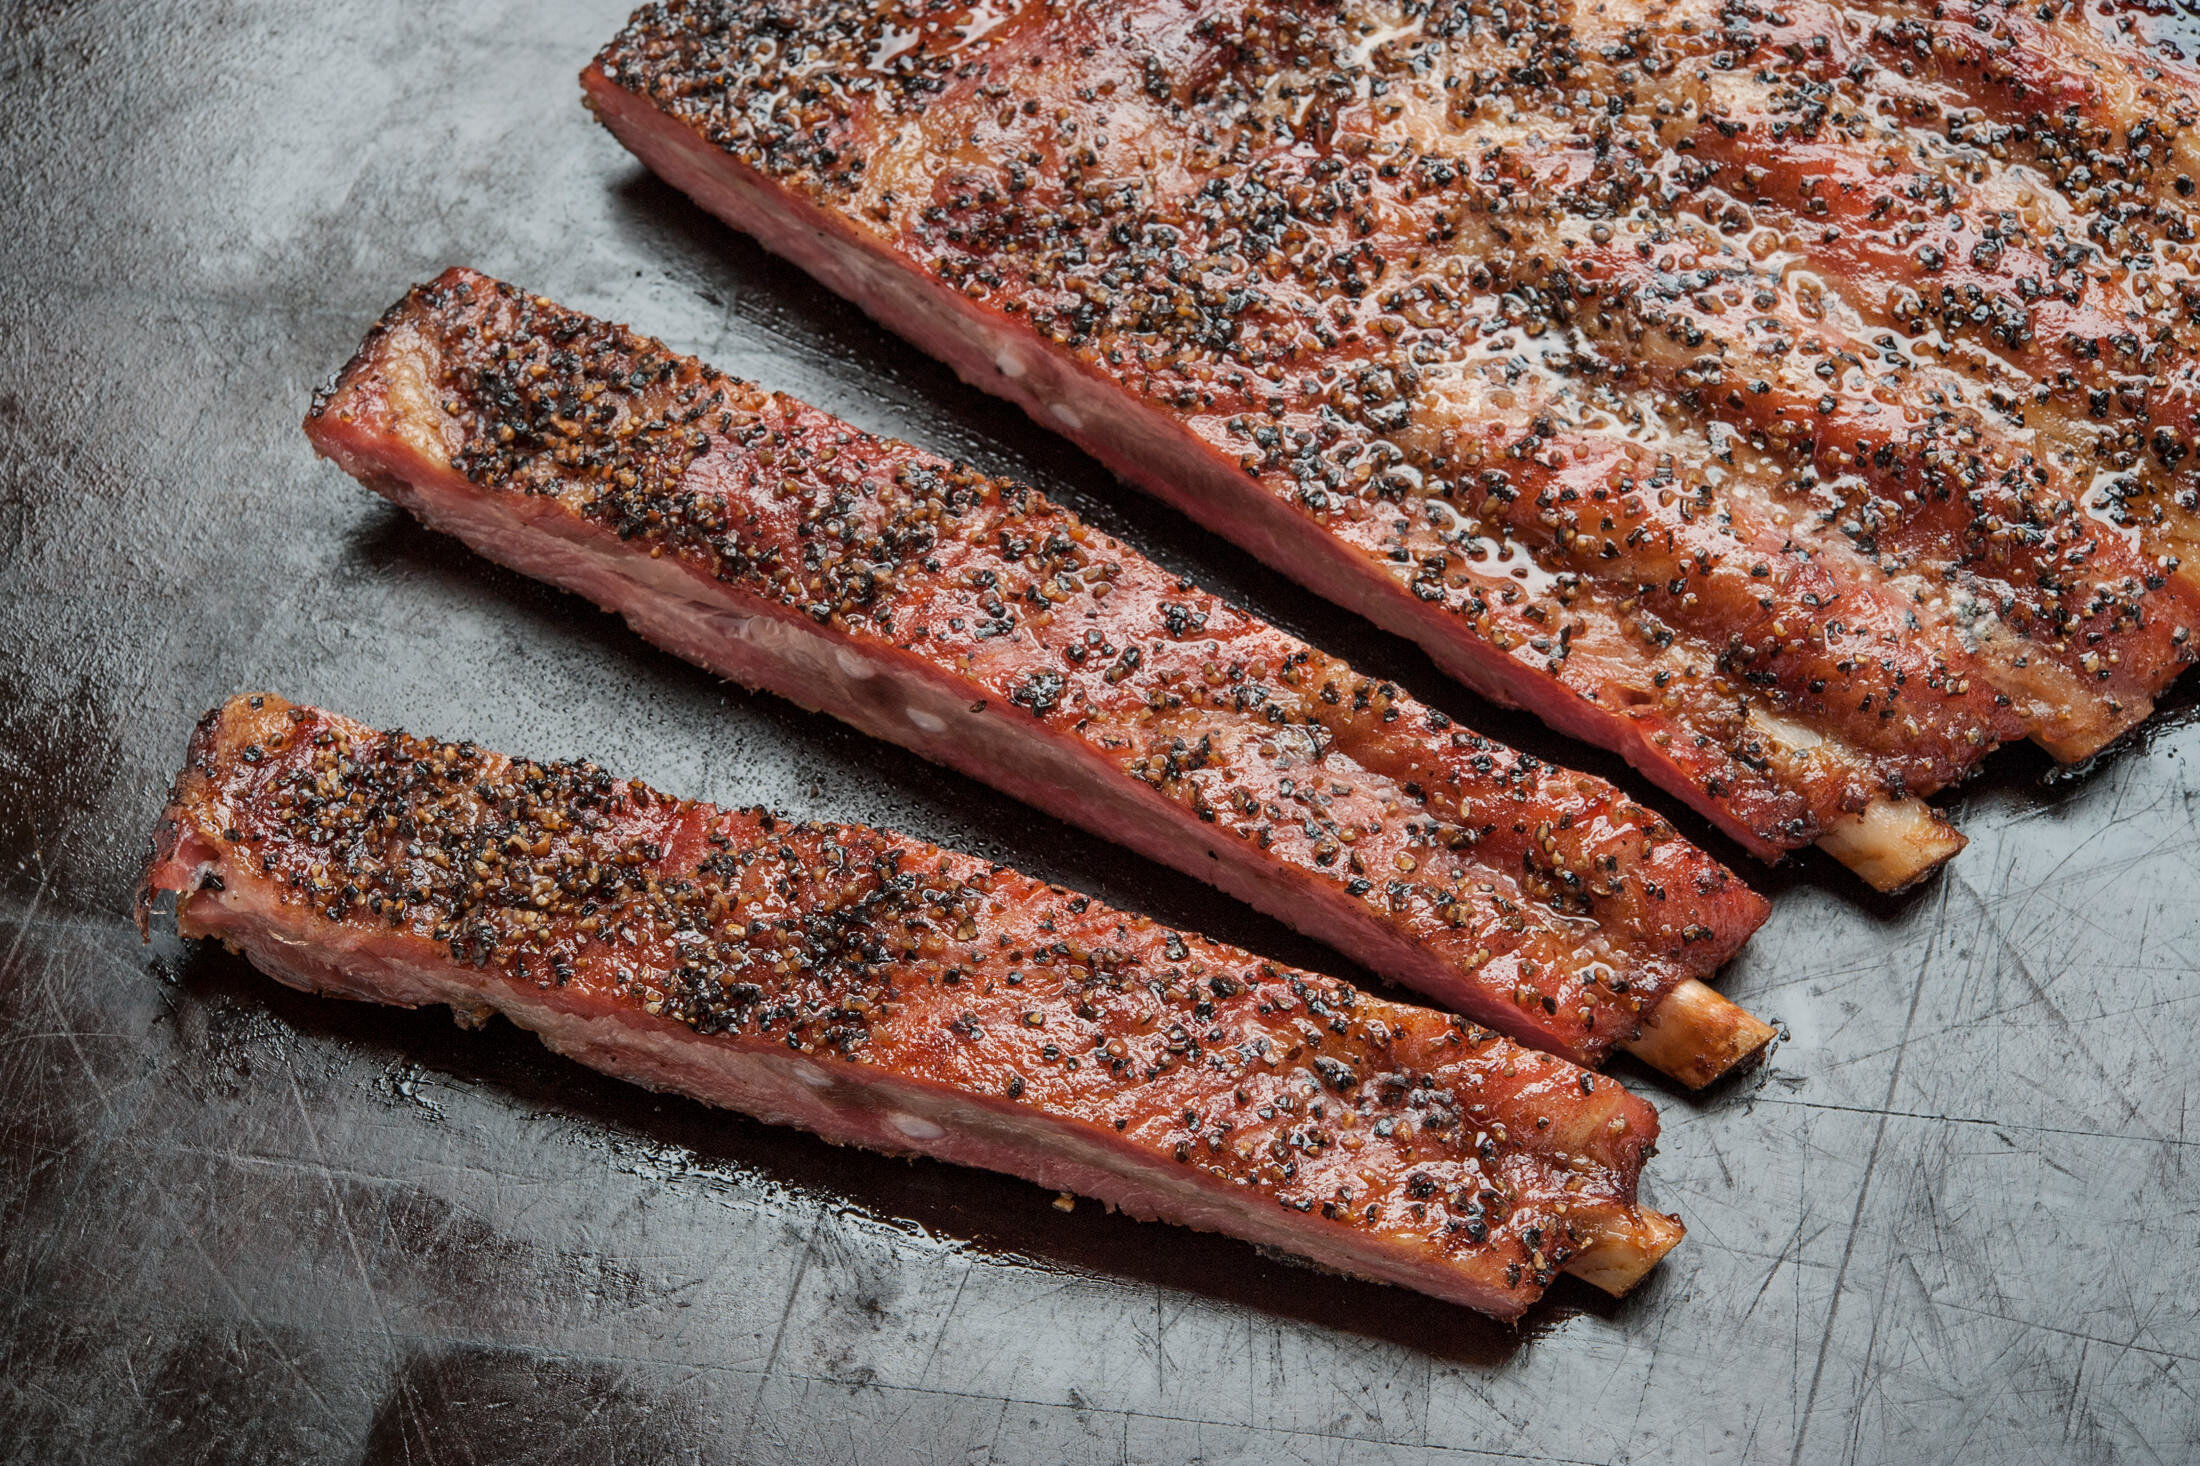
1894,843
1632,1241
1697,1036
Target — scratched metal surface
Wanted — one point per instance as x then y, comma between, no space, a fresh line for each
1954,1220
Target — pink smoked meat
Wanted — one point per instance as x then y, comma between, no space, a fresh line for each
885,993
1797,400
977,623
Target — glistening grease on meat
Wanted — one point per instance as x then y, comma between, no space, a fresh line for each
1796,399
977,623
885,993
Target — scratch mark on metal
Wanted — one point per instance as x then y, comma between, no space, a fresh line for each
1863,1190
779,1334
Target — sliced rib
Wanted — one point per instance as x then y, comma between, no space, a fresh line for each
885,993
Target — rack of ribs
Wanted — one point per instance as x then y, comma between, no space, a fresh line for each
884,993
1797,400
979,624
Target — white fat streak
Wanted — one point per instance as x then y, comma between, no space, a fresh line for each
916,1127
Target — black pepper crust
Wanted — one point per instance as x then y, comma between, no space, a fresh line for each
1455,843
1709,363
859,948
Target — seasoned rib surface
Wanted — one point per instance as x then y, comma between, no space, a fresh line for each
886,993
980,624
1795,399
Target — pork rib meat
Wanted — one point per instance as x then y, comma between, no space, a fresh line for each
885,993
1796,400
981,625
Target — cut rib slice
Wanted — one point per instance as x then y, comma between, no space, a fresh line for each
885,993
979,624
1541,338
